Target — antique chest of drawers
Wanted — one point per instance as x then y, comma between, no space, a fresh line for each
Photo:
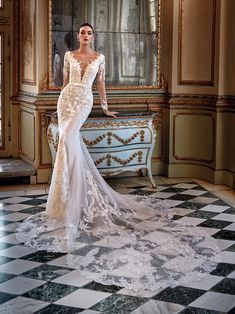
117,144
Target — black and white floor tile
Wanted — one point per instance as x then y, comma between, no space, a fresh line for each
34,281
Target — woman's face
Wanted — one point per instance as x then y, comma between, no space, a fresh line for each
85,35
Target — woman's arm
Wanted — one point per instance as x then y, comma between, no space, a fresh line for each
65,71
102,91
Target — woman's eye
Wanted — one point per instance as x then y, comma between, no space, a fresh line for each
88,33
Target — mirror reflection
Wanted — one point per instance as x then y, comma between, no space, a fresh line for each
126,32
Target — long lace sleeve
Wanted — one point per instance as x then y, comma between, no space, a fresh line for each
101,84
66,69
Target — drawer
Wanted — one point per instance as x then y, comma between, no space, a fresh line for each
121,159
116,138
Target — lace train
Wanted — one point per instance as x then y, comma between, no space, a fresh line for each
135,250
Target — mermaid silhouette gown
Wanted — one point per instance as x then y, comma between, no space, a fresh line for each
130,241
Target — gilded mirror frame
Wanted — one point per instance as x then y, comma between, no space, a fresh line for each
160,84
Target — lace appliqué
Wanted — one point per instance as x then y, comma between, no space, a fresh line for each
104,105
111,246
101,84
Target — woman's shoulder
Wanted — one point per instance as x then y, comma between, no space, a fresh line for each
67,54
97,55
100,56
71,52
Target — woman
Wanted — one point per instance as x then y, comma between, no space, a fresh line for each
112,238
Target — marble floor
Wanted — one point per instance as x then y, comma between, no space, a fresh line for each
34,281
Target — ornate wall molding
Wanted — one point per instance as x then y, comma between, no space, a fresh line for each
202,102
193,102
16,40
211,142
21,151
43,84
226,104
4,20
151,103
181,35
3,109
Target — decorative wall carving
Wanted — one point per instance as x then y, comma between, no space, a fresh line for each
43,84
28,49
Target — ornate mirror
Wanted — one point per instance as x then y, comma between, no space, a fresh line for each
127,32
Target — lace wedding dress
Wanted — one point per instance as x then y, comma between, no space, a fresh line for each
129,241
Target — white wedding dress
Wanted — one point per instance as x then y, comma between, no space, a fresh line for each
129,241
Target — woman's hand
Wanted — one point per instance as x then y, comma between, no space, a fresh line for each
111,113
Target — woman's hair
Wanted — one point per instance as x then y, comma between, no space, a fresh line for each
86,24
68,40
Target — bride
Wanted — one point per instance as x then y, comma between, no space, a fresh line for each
129,241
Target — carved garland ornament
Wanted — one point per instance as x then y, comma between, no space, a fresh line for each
123,162
108,173
51,139
157,120
106,124
109,138
94,142
43,84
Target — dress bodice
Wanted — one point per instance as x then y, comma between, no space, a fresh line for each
73,65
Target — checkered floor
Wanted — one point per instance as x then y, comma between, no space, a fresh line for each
34,281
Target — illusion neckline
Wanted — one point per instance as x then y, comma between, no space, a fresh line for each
88,64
